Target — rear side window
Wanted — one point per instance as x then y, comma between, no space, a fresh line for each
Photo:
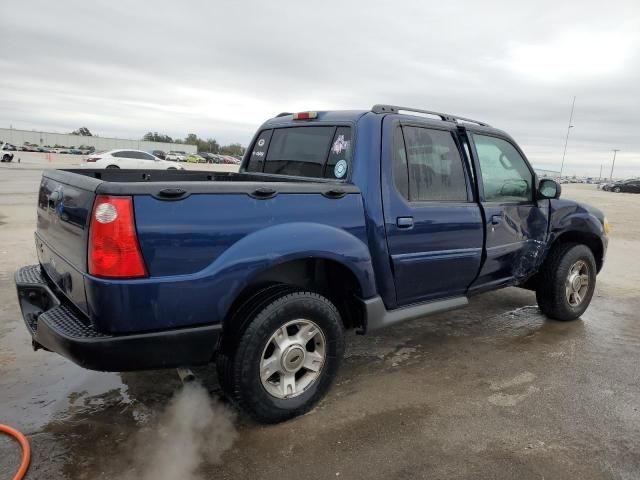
339,160
435,168
259,152
124,154
310,151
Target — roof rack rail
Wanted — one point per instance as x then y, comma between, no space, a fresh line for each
283,114
444,116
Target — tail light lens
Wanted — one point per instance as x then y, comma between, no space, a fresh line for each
114,251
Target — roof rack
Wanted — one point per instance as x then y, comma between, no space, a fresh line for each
444,116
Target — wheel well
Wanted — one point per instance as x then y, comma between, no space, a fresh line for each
326,277
589,239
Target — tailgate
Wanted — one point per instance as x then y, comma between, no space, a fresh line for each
64,206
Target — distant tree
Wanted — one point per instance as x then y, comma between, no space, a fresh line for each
211,145
82,131
192,139
157,137
234,149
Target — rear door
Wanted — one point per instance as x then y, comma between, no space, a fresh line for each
515,223
146,160
127,159
434,228
634,186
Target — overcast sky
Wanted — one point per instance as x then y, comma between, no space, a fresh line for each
219,69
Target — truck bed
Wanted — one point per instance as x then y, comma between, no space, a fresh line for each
197,230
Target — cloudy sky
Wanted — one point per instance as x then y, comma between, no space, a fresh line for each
218,69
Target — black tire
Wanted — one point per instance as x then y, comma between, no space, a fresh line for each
6,158
617,190
238,361
113,166
172,168
551,288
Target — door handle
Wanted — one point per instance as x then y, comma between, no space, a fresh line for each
496,219
404,222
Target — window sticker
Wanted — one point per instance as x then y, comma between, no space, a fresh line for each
340,169
261,142
340,145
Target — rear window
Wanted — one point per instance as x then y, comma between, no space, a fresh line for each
318,152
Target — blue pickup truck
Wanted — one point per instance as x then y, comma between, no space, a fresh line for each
336,220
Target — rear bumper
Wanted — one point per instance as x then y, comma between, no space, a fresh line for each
59,328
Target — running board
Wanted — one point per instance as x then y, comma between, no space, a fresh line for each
377,316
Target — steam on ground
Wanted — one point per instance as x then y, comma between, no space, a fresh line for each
192,431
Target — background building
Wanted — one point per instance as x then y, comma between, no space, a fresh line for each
542,173
19,137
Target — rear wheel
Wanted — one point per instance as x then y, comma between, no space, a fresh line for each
567,282
113,166
284,360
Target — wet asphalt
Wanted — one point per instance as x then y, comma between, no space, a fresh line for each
494,390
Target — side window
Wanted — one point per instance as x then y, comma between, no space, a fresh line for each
256,159
339,161
505,175
400,172
146,156
435,167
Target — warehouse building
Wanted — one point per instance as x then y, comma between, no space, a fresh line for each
542,173
20,137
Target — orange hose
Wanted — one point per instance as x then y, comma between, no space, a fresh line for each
26,451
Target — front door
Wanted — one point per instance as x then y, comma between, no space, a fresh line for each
515,223
434,229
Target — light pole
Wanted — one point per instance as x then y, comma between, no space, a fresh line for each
613,164
566,140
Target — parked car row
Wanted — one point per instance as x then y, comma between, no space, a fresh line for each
200,157
67,150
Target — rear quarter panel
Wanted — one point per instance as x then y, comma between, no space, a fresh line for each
202,251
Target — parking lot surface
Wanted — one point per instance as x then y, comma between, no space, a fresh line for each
491,391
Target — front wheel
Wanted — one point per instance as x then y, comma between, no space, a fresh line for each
285,359
113,166
6,158
617,190
567,282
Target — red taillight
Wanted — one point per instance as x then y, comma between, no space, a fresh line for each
305,115
93,159
113,244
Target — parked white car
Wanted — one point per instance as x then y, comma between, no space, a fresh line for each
6,152
129,159
176,156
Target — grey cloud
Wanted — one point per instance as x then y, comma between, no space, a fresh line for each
220,68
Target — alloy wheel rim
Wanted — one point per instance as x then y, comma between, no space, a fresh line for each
293,358
577,283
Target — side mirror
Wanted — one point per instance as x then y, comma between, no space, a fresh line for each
548,188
